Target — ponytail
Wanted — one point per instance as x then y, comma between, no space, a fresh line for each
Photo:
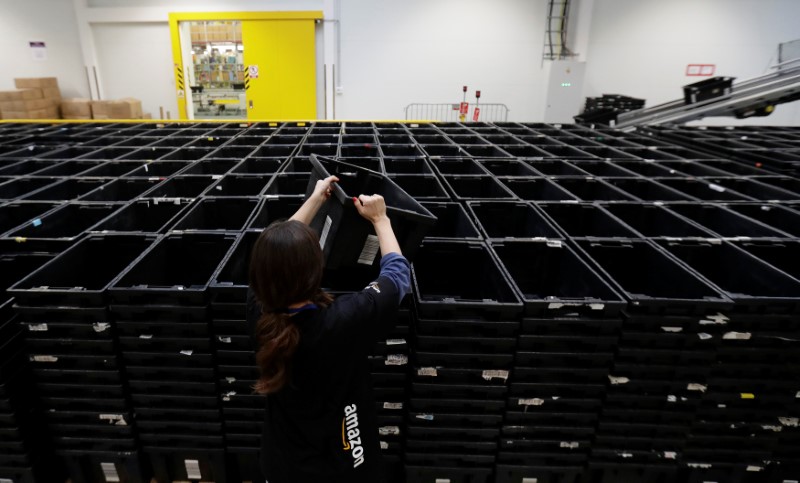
278,338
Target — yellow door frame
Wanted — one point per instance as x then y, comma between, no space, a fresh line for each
177,56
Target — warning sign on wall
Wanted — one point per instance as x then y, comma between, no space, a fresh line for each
253,71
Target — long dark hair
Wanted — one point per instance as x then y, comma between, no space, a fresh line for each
286,268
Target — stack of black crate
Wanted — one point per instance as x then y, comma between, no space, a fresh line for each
72,346
160,306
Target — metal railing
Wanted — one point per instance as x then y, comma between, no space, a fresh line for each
450,112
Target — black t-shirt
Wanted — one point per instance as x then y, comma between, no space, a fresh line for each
322,425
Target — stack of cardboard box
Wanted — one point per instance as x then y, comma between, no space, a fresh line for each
126,108
34,98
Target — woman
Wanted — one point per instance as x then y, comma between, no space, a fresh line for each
320,423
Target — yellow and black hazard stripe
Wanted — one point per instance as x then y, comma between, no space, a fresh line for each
179,77
246,78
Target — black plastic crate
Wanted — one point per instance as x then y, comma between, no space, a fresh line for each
585,220
143,154
422,187
604,169
94,466
157,169
297,165
177,269
173,461
182,187
68,281
707,89
69,168
13,215
68,189
218,214
275,208
275,151
399,150
550,167
551,279
452,222
703,189
783,255
260,166
592,189
775,216
18,167
69,221
458,166
629,265
230,282
647,190
406,166
112,169
537,189
373,164
747,280
651,220
648,169
144,216
287,184
478,188
442,149
124,189
754,189
724,222
352,239
211,167
511,220
446,286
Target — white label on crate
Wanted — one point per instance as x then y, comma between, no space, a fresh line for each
427,371
766,208
395,341
698,465
271,197
230,380
216,176
396,360
326,228
797,395
693,386
618,380
722,406
387,430
110,472
713,322
228,395
44,359
426,417
531,402
755,468
771,427
670,455
530,480
442,480
570,444
224,340
597,306
626,455
554,243
573,202
193,469
672,329
495,374
6,480
391,405
111,417
672,398
791,422
37,327
187,352
737,336
101,326
146,336
704,336
716,187
384,445
370,250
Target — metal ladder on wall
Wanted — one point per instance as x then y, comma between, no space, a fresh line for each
778,87
555,32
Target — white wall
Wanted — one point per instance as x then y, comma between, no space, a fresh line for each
135,61
641,47
396,53
51,21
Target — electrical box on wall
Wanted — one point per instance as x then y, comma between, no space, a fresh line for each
564,91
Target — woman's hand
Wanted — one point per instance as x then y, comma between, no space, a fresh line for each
373,208
324,188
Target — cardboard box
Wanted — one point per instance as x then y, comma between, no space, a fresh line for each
101,109
21,95
127,108
147,116
76,108
15,115
36,82
51,93
46,113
